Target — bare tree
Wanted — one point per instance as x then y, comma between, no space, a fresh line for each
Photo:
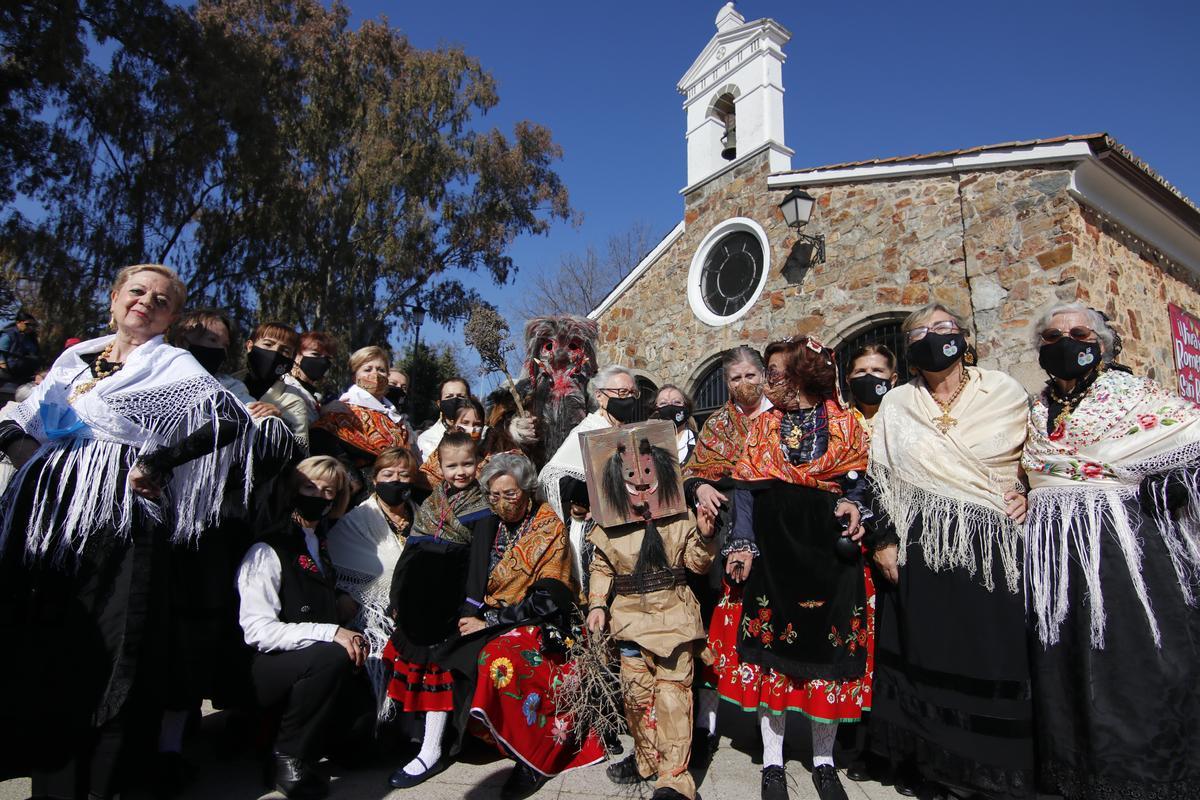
581,281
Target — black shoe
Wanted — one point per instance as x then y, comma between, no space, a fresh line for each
825,778
774,783
402,780
905,784
522,782
858,773
625,771
667,793
296,781
704,747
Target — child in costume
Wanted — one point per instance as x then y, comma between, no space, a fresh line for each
638,588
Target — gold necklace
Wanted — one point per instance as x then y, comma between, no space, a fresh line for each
99,373
945,422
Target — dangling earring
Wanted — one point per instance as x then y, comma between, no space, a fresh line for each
112,323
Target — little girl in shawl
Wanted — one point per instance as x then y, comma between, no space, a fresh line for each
428,588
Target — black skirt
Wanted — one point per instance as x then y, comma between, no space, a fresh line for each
1122,721
801,600
952,689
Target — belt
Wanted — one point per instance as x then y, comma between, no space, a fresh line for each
648,582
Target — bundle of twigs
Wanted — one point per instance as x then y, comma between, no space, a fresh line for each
590,690
487,332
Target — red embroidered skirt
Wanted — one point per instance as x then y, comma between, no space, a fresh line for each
752,688
514,699
417,687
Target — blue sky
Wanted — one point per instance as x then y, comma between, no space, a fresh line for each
863,80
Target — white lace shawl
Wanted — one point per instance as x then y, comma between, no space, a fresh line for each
1085,479
365,551
955,481
160,396
568,461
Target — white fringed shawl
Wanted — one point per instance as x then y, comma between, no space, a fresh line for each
364,551
1085,478
955,481
160,396
568,461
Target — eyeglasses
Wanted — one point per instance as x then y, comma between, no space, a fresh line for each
1080,333
943,327
622,393
507,494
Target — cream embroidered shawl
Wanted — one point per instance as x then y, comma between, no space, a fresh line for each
1084,479
955,481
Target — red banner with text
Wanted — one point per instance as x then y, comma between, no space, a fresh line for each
1185,334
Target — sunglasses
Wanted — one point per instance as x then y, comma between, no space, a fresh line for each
1079,333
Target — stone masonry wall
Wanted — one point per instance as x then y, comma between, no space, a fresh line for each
1000,245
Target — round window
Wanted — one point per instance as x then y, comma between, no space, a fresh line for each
729,270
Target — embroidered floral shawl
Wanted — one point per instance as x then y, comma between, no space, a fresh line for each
450,517
954,482
763,459
365,429
1083,477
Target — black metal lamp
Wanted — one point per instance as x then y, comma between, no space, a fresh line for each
797,209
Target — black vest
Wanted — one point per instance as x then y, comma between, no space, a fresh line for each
305,594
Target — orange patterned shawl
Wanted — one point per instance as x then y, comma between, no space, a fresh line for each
763,459
719,444
541,552
362,428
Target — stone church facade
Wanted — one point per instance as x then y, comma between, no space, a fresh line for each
998,232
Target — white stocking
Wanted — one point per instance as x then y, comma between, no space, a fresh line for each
823,736
772,726
431,745
707,718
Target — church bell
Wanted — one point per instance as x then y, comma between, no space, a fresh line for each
729,140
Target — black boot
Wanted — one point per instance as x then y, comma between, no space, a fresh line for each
295,780
774,783
625,771
829,787
522,782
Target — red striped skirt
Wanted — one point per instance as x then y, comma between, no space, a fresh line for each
418,687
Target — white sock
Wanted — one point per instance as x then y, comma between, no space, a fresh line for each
170,734
708,710
431,745
771,726
823,736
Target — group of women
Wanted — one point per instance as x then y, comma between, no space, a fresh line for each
1019,641
1008,588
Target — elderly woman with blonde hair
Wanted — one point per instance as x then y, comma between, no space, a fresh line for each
952,687
1113,569
124,448
362,423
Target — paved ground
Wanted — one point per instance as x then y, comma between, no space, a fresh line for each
733,774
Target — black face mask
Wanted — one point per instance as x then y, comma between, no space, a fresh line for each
397,395
624,409
312,509
448,407
266,365
868,390
315,367
1068,359
937,351
672,413
393,492
210,358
